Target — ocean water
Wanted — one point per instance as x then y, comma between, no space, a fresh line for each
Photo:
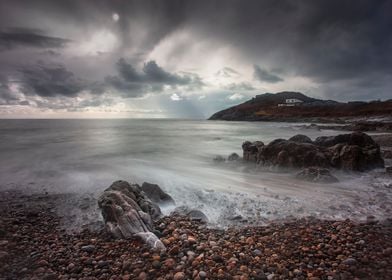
86,156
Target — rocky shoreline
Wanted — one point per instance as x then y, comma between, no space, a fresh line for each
135,241
36,246
353,125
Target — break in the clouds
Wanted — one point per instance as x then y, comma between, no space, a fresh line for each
187,58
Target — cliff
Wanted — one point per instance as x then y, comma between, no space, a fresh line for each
295,106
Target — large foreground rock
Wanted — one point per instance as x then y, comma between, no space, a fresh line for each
127,212
355,151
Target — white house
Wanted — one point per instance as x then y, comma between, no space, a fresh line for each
291,102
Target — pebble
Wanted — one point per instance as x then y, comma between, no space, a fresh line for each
202,274
257,252
179,276
350,261
88,248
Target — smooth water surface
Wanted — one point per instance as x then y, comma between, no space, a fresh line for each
87,155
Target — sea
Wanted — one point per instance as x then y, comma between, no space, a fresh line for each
83,157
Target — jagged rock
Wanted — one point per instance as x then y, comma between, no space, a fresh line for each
193,214
250,150
356,138
319,175
127,213
233,157
156,194
300,138
285,153
356,151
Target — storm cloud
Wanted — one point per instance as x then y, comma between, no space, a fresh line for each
115,49
152,78
25,37
265,76
49,81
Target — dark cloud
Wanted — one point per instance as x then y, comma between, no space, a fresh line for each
50,81
152,73
128,89
127,72
265,76
156,74
152,78
325,40
343,48
24,37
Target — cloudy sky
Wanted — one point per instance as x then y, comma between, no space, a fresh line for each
186,59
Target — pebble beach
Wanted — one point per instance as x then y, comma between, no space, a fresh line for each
35,245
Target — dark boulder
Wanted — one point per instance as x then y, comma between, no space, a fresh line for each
233,157
356,151
251,149
318,175
356,138
300,138
285,153
193,214
128,213
156,194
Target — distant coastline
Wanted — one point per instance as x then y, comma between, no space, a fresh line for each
297,107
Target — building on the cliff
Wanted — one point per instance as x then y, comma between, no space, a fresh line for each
291,102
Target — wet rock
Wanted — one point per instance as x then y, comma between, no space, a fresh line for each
284,153
356,151
251,150
193,214
318,175
233,157
300,138
156,194
127,212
